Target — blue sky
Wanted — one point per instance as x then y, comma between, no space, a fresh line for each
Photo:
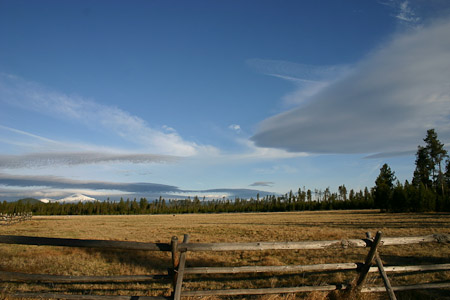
216,98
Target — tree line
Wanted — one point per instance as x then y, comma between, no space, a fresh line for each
301,200
429,190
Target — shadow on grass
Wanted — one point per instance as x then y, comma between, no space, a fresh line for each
151,261
413,260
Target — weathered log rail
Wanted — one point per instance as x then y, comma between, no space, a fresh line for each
179,270
10,219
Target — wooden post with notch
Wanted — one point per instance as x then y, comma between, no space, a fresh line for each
180,271
357,285
383,274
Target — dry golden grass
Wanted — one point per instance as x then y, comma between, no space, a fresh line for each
251,227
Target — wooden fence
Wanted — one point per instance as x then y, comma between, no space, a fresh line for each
178,270
10,219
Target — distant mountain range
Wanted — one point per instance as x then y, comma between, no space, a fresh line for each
202,194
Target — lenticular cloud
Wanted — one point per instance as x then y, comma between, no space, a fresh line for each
385,104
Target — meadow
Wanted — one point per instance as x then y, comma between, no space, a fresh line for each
233,227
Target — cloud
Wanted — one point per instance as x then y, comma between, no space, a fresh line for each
235,127
77,158
21,132
284,169
64,183
294,71
32,96
17,186
242,193
406,13
391,154
254,152
308,79
262,183
416,13
385,104
48,152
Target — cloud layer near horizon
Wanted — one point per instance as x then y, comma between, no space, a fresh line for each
385,104
12,186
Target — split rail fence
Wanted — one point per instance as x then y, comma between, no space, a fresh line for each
10,219
179,270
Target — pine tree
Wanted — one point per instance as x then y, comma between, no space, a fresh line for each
423,166
447,175
436,154
342,192
400,199
384,185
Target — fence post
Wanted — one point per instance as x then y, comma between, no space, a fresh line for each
383,274
356,286
180,271
175,262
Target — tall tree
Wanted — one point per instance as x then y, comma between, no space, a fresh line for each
423,168
384,185
447,174
342,192
400,201
436,154
447,185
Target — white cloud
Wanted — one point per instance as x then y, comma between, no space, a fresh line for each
385,104
31,96
406,13
235,127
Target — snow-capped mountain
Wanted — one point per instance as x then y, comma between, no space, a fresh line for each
47,200
77,198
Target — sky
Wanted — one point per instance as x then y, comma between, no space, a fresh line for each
216,98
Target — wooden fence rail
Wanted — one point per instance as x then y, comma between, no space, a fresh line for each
10,219
178,270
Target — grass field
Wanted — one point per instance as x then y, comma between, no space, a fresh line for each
251,227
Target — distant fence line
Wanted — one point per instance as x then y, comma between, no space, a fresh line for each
9,219
178,269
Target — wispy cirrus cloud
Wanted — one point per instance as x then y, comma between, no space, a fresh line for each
384,105
31,96
406,13
417,13
308,79
45,152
